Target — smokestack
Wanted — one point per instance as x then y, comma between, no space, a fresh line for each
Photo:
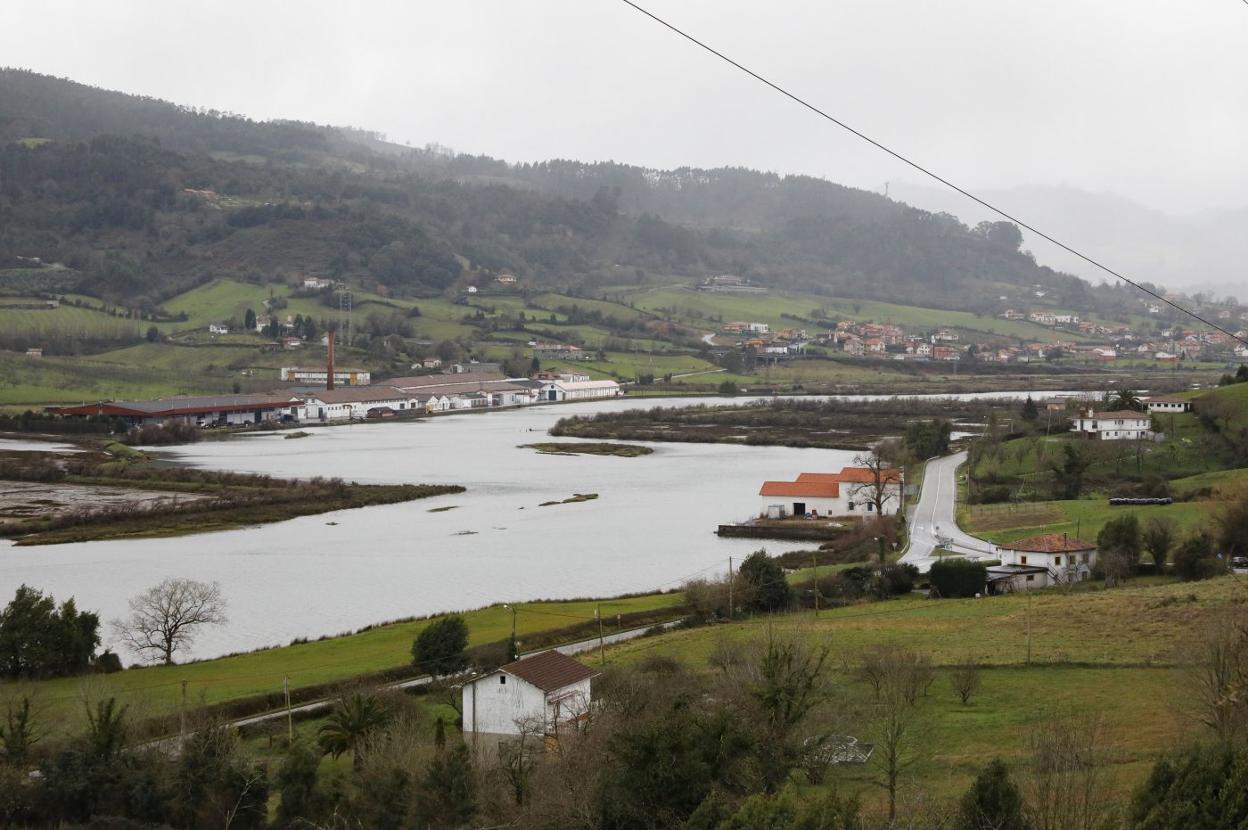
329,370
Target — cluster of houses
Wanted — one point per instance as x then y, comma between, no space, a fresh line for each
852,492
478,387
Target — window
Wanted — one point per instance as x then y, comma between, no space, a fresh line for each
1057,560
1022,560
502,680
1031,577
1085,558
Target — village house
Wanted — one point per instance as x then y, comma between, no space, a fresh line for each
1169,405
316,283
541,694
505,279
1120,425
849,493
1041,561
560,351
218,328
35,352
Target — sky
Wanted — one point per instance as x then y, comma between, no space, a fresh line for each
1141,98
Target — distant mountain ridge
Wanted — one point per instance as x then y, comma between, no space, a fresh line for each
1205,252
83,182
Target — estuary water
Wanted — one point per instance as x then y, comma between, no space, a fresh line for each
651,526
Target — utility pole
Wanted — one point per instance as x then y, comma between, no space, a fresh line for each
1028,628
602,646
290,718
729,587
814,564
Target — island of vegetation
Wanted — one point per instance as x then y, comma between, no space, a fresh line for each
95,494
596,448
794,422
573,499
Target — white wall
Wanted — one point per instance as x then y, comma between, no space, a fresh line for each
500,708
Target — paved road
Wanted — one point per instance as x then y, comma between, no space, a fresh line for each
935,516
567,648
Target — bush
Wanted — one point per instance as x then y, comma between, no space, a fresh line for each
953,578
439,648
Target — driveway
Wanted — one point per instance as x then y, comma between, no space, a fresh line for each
935,516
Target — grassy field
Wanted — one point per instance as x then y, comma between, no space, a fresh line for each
26,383
1083,518
1109,655
156,691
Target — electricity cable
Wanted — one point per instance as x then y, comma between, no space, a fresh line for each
925,171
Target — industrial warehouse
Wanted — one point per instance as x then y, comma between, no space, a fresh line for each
475,387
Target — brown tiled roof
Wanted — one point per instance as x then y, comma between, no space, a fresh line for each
550,670
1048,543
359,394
801,489
1125,414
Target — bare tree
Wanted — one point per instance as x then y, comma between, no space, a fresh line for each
1220,675
1065,791
883,484
166,618
1160,534
896,743
965,680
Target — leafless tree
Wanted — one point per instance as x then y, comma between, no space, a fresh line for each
883,478
896,742
894,669
1159,536
965,680
165,618
1065,790
1220,675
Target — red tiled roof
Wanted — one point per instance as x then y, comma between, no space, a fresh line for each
1049,543
854,475
1125,414
550,670
801,489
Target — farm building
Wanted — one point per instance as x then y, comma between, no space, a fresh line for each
1041,561
1123,425
542,694
847,494
211,410
1169,405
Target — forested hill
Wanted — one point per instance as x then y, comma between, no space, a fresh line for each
142,197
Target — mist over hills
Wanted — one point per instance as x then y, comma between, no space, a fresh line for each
1203,252
144,198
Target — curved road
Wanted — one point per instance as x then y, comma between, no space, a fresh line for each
935,517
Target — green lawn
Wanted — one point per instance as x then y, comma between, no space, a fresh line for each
157,690
1084,518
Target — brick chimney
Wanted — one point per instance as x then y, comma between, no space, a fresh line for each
329,372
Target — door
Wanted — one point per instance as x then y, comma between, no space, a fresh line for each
799,508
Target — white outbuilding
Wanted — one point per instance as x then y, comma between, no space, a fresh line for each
539,694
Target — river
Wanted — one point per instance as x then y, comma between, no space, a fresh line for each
652,525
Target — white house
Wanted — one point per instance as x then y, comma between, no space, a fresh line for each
218,328
845,494
542,693
1123,425
316,283
1041,561
1169,405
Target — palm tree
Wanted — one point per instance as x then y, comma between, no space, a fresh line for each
351,721
1127,399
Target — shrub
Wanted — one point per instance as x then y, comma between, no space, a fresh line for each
952,578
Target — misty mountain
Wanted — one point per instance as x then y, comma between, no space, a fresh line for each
146,197
1204,252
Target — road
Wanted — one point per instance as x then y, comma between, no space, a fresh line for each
935,516
325,703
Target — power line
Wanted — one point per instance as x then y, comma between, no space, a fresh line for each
803,102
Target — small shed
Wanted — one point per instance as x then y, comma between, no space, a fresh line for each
543,693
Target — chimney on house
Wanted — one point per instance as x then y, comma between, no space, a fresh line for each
329,370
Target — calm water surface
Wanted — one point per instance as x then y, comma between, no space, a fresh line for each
651,526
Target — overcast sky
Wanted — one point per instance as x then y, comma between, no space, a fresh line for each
1144,98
